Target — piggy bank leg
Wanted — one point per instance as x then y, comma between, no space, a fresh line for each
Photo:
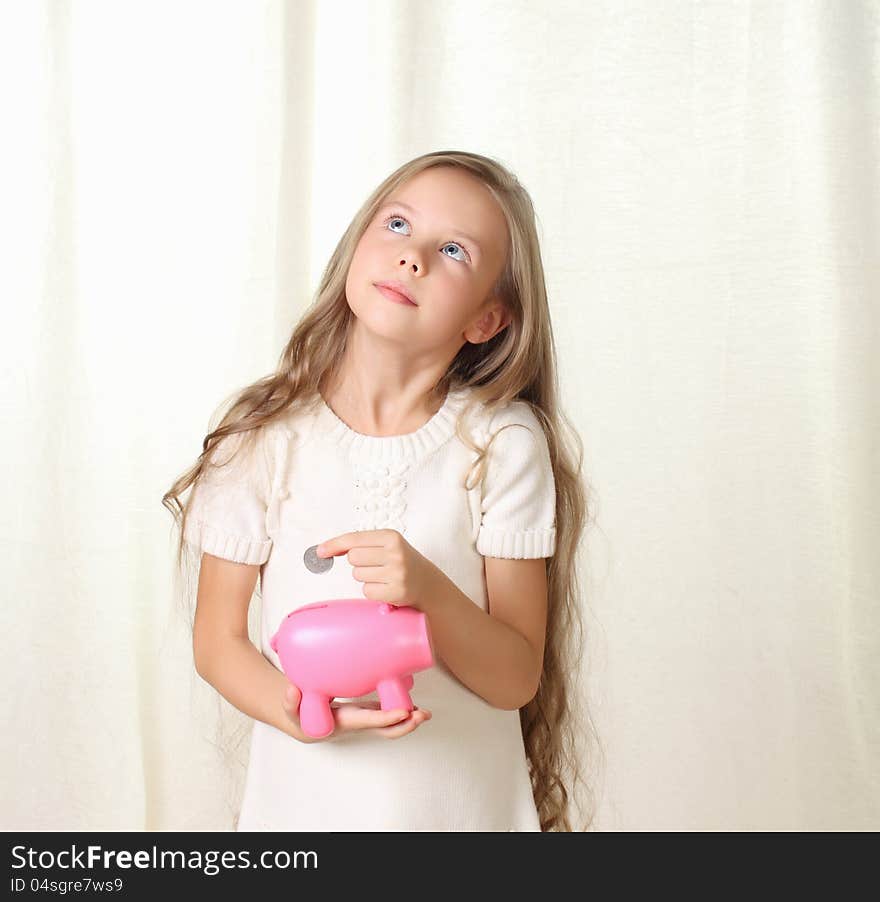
315,716
393,693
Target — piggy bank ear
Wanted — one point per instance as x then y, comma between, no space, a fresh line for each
385,608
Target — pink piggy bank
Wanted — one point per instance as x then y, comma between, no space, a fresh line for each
349,648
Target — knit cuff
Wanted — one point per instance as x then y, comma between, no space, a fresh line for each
526,543
240,549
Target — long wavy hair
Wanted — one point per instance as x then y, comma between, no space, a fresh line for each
518,363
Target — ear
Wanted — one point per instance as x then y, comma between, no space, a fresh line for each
488,324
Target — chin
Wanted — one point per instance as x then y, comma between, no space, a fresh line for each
378,321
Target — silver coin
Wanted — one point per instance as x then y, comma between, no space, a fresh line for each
314,563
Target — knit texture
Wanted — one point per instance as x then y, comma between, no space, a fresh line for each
308,478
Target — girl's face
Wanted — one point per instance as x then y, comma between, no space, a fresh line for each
443,236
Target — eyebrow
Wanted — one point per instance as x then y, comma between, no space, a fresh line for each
400,203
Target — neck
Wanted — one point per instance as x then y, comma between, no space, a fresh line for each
378,392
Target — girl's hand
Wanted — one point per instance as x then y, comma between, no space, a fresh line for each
390,568
349,717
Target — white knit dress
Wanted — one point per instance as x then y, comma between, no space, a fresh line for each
314,478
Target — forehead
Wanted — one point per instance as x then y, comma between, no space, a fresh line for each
456,203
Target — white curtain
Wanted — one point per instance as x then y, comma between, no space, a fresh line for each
173,177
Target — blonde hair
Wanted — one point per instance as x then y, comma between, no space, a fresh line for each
518,363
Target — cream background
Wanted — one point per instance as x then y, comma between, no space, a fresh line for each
706,178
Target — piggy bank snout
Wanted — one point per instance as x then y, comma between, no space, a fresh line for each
415,634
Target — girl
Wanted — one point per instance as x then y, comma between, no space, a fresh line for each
408,448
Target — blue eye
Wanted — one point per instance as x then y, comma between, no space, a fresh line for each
394,216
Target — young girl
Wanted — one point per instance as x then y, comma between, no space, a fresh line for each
407,449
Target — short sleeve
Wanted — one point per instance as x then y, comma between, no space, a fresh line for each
518,506
227,507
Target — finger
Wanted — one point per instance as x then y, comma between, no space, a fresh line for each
334,546
397,730
354,717
418,713
380,574
348,540
411,721
290,699
367,556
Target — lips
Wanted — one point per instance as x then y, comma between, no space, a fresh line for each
396,291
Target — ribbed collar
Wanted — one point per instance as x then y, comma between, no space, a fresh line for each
410,446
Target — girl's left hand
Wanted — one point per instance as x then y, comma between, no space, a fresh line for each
390,568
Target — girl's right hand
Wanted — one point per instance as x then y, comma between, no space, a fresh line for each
349,717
